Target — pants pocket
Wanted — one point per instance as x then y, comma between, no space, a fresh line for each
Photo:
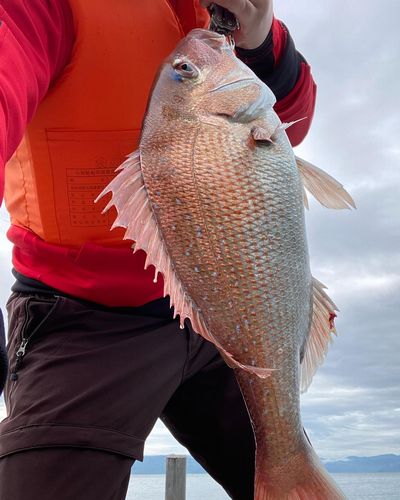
31,318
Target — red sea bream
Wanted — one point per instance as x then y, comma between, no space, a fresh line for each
215,196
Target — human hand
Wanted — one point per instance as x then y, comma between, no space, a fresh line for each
255,18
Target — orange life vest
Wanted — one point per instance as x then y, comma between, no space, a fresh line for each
91,117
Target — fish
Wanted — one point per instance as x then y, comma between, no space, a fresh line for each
216,198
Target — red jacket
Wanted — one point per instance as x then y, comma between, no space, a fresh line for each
37,41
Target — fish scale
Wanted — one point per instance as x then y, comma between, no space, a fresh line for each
216,201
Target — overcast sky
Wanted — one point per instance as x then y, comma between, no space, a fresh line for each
353,46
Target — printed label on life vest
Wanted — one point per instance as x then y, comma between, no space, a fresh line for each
84,185
83,163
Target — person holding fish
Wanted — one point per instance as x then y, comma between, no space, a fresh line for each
95,352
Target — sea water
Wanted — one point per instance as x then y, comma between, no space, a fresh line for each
383,486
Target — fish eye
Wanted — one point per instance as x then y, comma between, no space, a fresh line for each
185,69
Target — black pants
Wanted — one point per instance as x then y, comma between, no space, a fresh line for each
85,395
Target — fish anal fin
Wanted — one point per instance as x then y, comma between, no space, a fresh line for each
327,190
322,327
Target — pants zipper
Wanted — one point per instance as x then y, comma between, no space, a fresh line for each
25,341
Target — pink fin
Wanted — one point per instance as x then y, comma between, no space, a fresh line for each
327,190
285,126
259,136
322,327
233,363
129,196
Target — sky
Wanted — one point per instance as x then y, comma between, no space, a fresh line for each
353,47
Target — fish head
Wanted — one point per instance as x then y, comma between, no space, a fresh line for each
202,78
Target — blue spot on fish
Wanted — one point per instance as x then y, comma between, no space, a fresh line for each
178,201
188,217
187,253
173,228
176,77
196,269
253,362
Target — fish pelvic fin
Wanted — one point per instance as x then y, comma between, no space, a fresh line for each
135,213
327,190
302,477
322,327
233,363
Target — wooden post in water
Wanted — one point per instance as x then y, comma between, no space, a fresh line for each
175,478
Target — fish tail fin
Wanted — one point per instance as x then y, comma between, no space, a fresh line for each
307,480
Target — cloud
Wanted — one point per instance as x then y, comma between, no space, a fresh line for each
160,442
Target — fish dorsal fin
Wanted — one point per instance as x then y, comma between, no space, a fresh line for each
322,327
327,190
130,198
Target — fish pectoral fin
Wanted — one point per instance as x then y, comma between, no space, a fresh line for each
233,363
327,190
322,327
259,136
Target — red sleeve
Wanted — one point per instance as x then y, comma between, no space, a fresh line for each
298,104
36,39
300,101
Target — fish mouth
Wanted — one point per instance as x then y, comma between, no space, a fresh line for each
232,83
